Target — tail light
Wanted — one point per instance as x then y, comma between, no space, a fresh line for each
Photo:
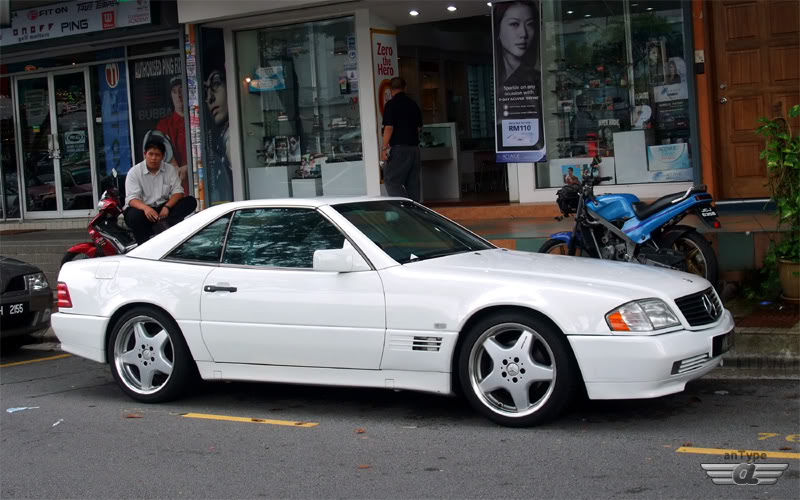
62,293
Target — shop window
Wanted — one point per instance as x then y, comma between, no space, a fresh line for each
617,90
300,110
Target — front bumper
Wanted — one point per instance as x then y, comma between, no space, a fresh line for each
40,305
631,367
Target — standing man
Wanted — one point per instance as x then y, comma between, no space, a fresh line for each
154,193
402,121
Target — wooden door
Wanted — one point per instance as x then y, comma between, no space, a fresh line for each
756,63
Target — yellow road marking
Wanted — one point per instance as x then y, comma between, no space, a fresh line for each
720,451
49,358
250,420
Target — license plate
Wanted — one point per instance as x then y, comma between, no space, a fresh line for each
708,213
14,309
721,344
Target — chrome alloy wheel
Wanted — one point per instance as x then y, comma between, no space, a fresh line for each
143,355
512,370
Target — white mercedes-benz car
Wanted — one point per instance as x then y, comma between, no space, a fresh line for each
383,292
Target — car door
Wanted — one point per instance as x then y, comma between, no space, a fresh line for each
265,304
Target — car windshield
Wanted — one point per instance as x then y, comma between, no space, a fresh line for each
408,232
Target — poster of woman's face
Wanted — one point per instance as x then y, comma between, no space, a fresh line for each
656,59
516,31
518,83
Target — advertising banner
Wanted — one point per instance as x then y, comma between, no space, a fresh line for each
113,87
156,114
384,62
516,29
73,18
216,131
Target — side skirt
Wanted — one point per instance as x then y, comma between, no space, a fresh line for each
435,382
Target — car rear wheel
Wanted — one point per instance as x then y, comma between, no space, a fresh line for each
149,357
517,369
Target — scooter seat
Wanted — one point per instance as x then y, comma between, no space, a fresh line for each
644,210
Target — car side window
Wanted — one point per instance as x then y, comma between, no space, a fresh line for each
279,237
205,245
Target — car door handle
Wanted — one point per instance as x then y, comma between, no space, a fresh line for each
214,288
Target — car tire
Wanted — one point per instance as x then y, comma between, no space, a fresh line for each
517,369
149,357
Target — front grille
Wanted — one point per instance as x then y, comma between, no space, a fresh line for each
689,364
700,308
15,284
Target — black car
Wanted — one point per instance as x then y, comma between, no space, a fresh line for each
26,299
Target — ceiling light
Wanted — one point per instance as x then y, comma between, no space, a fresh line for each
570,12
452,8
489,4
413,13
649,8
587,15
634,5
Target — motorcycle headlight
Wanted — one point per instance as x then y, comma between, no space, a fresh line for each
36,282
644,315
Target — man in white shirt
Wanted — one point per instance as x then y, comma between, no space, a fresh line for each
153,193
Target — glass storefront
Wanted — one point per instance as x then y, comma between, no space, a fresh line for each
73,125
300,110
616,86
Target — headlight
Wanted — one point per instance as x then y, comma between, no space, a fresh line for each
36,282
643,315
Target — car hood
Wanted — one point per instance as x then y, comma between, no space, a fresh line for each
11,268
583,272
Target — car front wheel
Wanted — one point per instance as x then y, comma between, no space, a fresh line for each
149,357
517,369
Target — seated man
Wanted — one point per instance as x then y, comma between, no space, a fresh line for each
153,193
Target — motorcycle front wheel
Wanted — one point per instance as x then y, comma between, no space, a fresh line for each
557,247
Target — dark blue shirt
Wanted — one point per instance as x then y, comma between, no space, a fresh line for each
403,114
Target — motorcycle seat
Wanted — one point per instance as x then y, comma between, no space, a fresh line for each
644,210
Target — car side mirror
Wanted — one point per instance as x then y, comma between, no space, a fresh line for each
339,260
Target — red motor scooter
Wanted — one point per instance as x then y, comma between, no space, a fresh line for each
108,238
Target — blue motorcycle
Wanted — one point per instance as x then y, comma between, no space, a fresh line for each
620,227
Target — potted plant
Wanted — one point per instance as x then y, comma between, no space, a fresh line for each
782,154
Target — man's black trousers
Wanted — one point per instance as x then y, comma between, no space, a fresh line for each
401,172
143,228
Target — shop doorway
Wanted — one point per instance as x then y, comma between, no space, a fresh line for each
756,49
447,65
55,145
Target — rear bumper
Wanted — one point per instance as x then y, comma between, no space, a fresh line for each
618,367
81,335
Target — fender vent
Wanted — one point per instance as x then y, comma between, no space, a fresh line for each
414,343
